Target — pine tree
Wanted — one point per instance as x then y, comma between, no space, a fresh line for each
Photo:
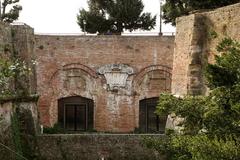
176,8
114,16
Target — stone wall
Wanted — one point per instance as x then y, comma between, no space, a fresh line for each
23,48
116,72
95,146
18,117
196,39
5,40
17,42
24,107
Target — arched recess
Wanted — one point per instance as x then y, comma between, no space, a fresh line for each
149,122
148,83
152,80
76,113
68,81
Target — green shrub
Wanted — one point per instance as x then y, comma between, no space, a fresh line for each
56,129
211,124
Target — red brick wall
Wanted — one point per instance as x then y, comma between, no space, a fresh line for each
67,66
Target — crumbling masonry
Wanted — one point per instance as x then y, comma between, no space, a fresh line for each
111,83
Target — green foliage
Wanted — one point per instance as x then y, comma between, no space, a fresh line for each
226,71
22,140
16,135
202,147
13,12
199,147
176,8
9,71
211,124
56,129
212,34
110,16
190,108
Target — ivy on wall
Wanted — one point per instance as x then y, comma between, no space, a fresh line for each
16,136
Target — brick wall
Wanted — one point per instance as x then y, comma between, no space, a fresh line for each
68,66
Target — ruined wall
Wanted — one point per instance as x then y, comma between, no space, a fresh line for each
18,120
5,49
116,72
196,39
17,42
96,146
5,40
27,107
23,49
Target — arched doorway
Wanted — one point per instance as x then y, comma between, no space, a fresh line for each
149,122
76,113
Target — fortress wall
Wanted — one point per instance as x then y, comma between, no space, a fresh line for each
82,56
196,40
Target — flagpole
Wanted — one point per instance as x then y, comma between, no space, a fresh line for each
0,11
160,16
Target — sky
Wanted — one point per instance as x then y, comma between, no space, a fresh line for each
59,16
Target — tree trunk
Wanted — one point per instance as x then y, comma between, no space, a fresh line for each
4,10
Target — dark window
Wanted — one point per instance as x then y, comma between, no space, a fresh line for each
75,113
149,122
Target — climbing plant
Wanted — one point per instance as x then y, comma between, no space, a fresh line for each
16,136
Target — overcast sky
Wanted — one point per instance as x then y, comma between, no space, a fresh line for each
59,16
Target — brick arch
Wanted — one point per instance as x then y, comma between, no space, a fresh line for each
88,74
56,86
80,66
138,78
84,68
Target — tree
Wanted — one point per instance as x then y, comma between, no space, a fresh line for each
211,124
176,8
114,16
12,14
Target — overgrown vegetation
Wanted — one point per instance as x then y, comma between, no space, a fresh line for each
14,73
56,129
10,71
113,16
16,135
23,137
176,8
210,124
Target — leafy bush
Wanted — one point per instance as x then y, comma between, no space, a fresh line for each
211,124
56,129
